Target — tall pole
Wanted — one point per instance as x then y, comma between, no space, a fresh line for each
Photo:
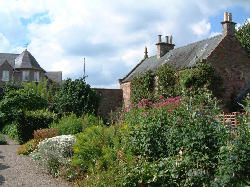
84,70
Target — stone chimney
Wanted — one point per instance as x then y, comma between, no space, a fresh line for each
228,27
164,47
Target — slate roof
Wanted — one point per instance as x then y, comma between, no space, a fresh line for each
185,56
9,57
26,60
55,76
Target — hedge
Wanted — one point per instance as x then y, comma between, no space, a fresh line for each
33,120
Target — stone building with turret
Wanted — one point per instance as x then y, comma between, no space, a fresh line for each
223,51
24,68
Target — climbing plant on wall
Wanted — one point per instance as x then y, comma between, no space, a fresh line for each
167,81
142,87
203,74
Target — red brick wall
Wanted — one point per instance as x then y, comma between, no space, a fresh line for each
233,64
126,93
111,99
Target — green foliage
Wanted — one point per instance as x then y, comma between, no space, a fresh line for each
69,125
30,121
2,140
16,101
90,120
10,130
8,87
39,88
142,86
94,147
77,97
201,75
243,35
167,83
28,147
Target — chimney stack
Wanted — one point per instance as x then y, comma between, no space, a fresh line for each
164,47
228,26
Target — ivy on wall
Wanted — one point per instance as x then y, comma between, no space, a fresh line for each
142,87
169,82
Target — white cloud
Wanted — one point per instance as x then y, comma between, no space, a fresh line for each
111,34
202,28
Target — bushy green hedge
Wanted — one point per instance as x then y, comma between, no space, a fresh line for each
75,96
69,125
33,120
16,101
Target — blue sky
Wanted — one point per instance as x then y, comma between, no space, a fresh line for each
110,34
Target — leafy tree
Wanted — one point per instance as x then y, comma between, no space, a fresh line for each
75,96
8,87
243,35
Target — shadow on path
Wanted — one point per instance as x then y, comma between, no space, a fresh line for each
2,167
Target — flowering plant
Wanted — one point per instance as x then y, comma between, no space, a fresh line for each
53,152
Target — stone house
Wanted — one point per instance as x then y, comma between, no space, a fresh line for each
223,51
24,68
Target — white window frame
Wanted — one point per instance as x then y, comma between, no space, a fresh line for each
26,75
5,76
36,76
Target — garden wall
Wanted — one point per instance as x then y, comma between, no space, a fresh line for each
111,99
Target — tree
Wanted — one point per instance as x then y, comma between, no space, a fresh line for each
77,97
243,35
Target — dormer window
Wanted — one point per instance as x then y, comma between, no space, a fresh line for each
26,75
5,76
36,76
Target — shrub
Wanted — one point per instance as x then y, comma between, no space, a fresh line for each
16,101
11,130
42,134
77,97
90,120
2,140
28,147
94,146
54,152
31,121
8,87
69,125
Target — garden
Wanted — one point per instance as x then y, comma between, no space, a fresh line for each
172,138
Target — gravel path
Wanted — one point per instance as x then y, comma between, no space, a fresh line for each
18,170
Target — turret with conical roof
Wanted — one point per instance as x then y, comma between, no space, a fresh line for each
26,60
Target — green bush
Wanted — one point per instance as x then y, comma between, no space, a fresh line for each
2,140
69,125
11,130
8,87
77,97
31,121
28,147
94,146
90,120
16,101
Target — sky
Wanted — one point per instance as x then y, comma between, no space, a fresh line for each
110,34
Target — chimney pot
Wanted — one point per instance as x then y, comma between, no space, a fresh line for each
166,39
171,39
225,16
159,38
230,17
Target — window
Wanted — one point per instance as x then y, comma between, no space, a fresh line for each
26,75
6,76
36,76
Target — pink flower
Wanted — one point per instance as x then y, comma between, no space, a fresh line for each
161,97
170,111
